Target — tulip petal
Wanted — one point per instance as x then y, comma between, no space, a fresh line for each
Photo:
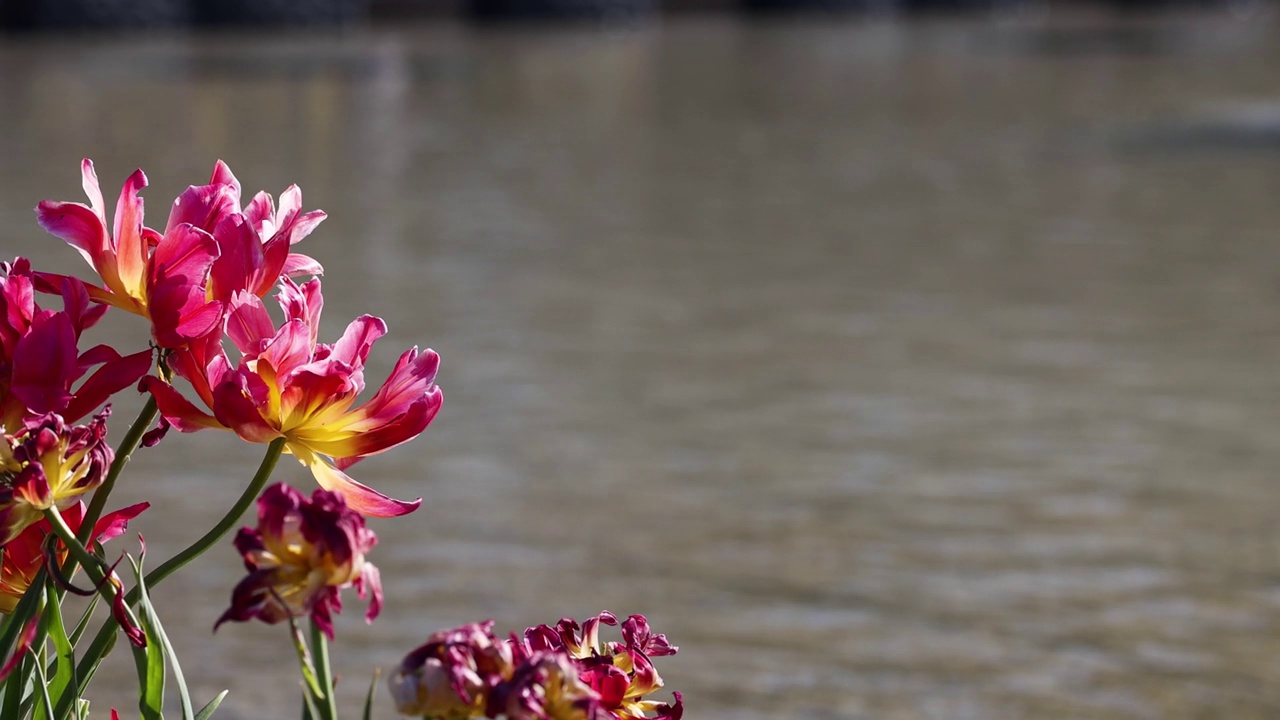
113,524
233,407
130,249
358,339
186,253
203,206
89,181
175,408
298,264
349,450
44,362
248,324
113,376
78,225
361,498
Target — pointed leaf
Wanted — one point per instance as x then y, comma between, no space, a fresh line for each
206,712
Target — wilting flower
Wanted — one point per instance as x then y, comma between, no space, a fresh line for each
49,464
450,675
303,552
561,673
39,359
288,385
546,686
23,556
622,673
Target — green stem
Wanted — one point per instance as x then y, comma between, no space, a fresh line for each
130,443
98,648
90,563
320,649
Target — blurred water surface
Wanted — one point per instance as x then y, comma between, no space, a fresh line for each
895,370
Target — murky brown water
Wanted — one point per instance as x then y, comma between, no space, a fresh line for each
895,370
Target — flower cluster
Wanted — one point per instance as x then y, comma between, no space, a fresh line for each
201,281
303,552
550,673
223,360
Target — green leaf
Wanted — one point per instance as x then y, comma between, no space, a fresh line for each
64,666
207,711
46,703
368,699
154,629
320,648
149,662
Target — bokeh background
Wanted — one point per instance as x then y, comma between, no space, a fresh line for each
898,360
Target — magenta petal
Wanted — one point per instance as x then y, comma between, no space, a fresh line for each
44,363
289,349
361,498
185,253
203,206
392,432
92,190
259,210
113,524
176,409
179,313
97,355
222,175
410,379
304,224
370,583
234,409
241,259
79,226
112,377
248,324
297,264
358,339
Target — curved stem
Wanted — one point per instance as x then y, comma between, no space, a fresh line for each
98,648
92,565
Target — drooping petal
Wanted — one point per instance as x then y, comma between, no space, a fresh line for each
78,225
361,498
112,377
176,409
113,524
298,264
350,447
370,583
409,381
